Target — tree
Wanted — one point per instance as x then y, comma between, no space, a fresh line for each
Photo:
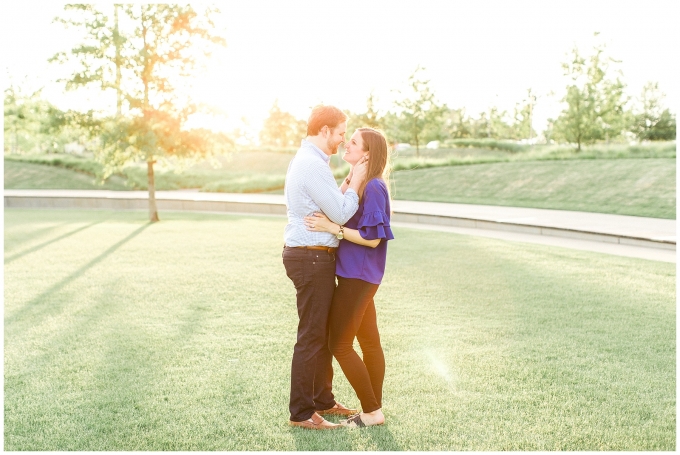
370,118
19,123
595,103
144,63
282,129
652,122
31,124
456,124
419,109
499,124
523,118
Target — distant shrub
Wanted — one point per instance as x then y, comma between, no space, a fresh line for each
494,144
246,184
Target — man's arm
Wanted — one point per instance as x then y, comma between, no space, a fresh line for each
323,190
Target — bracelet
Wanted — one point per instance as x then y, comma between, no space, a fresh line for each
347,180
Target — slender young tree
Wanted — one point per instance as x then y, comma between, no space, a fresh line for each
145,52
595,102
523,116
418,108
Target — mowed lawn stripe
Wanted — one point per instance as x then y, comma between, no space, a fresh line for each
640,187
123,335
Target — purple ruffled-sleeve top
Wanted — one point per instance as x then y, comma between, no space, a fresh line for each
372,220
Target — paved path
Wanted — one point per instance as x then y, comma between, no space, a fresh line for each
649,238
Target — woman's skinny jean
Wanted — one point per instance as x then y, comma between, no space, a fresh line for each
353,315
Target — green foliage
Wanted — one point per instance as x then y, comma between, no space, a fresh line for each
595,102
420,116
370,118
494,124
158,48
492,144
33,125
281,129
456,124
523,116
98,57
158,134
652,122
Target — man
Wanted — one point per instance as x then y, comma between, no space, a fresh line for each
309,259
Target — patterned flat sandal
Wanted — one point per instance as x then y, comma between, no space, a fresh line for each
356,422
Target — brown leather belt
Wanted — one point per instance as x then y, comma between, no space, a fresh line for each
330,249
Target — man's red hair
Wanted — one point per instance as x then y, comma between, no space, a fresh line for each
321,116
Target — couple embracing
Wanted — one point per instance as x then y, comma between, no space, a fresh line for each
339,232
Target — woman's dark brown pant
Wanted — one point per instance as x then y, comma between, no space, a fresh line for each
353,315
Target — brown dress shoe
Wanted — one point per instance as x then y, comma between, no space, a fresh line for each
338,410
316,422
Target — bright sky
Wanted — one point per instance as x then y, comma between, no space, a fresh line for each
476,53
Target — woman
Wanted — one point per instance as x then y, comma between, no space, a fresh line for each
360,266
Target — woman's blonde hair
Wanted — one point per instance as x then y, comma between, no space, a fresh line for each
375,143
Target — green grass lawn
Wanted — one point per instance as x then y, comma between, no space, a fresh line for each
123,335
39,176
641,187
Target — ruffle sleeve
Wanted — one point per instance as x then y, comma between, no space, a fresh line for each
375,225
375,222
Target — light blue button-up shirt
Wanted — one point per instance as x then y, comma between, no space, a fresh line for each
310,187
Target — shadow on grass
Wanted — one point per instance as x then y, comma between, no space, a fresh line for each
44,244
28,236
374,438
57,287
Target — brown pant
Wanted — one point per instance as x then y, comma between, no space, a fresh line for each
313,275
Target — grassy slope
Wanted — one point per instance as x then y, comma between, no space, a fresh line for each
644,187
121,335
39,176
244,172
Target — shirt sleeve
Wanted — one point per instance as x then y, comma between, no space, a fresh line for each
323,190
375,222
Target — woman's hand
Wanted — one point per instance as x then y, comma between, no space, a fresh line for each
319,222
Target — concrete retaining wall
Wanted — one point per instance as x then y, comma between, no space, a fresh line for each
131,201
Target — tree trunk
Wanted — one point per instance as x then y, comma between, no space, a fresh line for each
153,212
116,40
415,126
15,144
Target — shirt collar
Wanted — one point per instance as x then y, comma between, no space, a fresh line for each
305,144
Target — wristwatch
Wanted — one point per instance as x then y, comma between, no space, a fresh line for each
341,234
